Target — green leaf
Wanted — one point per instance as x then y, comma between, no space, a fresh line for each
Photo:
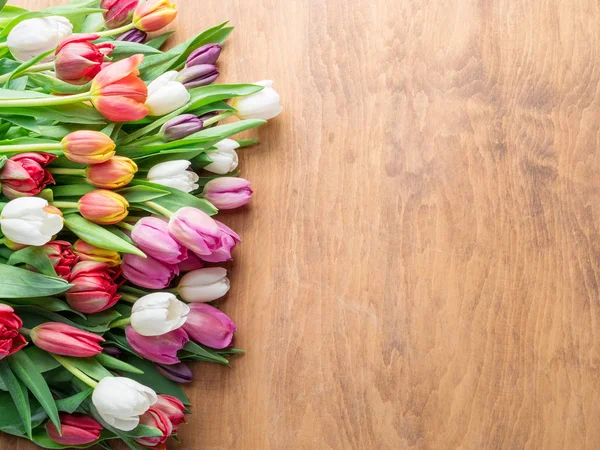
98,236
21,283
70,190
143,431
125,49
35,257
140,194
178,199
19,396
29,123
56,86
34,315
48,303
205,95
42,360
8,13
158,41
31,377
27,64
116,364
70,404
90,367
204,353
2,4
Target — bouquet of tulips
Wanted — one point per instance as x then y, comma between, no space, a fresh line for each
115,156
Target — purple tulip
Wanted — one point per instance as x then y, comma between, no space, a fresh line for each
195,230
159,349
182,126
151,235
148,272
135,35
229,239
209,326
179,373
207,54
113,351
196,76
227,192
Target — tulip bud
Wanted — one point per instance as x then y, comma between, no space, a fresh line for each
165,94
157,419
63,339
76,429
30,221
209,326
62,257
264,104
158,313
179,373
103,207
152,15
229,239
135,35
94,288
115,173
181,126
89,252
151,235
32,37
224,158
24,175
121,401
159,349
148,272
173,408
174,174
118,12
78,60
204,285
196,76
195,230
113,351
207,54
227,192
192,262
88,147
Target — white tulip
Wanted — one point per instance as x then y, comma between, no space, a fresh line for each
165,94
30,221
263,104
204,285
174,174
33,37
224,158
121,401
158,313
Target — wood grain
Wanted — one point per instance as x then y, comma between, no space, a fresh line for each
419,267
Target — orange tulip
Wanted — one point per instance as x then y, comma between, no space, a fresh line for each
88,147
103,207
118,93
152,15
89,252
115,173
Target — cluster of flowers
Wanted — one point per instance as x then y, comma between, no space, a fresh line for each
114,158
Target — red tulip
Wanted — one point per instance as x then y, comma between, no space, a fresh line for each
77,429
95,287
24,175
10,339
173,408
157,419
78,60
63,258
118,12
63,339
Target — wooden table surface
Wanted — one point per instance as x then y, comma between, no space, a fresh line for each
419,264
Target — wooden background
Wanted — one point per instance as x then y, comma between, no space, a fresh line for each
419,265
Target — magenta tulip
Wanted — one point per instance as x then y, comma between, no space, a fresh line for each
209,326
196,230
159,349
227,192
148,272
192,262
151,235
229,239
62,339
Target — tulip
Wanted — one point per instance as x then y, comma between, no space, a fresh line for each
263,104
157,419
152,15
181,126
209,326
120,401
89,252
227,192
229,239
196,230
179,373
159,349
135,35
88,147
196,76
24,175
78,60
174,174
118,93
30,221
165,94
173,408
207,54
33,37
112,350
204,285
63,339
76,429
158,313
94,288
118,12
115,173
103,207
62,257
151,235
10,339
224,158
192,262
148,272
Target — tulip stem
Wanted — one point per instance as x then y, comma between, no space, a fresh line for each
65,205
116,31
75,371
25,331
218,117
64,171
129,298
31,148
121,323
35,68
161,209
44,101
125,226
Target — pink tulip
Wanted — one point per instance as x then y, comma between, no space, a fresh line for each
76,429
209,326
229,239
196,230
148,272
192,262
159,349
151,235
63,339
173,408
227,192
